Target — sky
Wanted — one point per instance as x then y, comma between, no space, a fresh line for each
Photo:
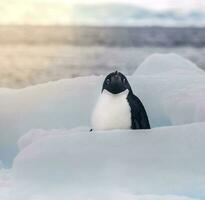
66,11
151,4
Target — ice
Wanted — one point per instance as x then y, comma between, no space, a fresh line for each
58,158
160,64
160,161
62,104
174,88
171,88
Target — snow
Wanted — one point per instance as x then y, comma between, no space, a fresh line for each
171,88
58,158
47,106
161,161
175,87
163,63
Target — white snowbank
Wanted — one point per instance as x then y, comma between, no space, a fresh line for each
64,162
171,88
62,104
160,64
161,161
174,88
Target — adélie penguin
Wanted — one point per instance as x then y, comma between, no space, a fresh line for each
117,106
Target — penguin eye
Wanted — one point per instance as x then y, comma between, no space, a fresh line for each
107,81
124,80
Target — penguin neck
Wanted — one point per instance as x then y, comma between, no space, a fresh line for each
124,93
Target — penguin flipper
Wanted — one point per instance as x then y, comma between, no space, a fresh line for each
136,124
144,121
138,113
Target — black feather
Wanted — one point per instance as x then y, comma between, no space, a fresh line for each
138,113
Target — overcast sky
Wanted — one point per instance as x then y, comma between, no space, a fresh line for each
54,11
151,4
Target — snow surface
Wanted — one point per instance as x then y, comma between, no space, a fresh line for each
171,88
56,160
159,161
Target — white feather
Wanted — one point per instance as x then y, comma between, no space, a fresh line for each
112,111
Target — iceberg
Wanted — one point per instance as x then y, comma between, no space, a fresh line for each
175,87
167,160
45,135
171,88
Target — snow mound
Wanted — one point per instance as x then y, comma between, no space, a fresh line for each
163,63
161,161
54,105
171,88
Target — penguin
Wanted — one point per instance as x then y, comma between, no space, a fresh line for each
117,106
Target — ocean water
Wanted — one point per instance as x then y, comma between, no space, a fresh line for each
33,55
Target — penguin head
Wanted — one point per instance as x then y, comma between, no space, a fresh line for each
116,83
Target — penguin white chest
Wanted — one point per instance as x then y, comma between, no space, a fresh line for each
112,111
